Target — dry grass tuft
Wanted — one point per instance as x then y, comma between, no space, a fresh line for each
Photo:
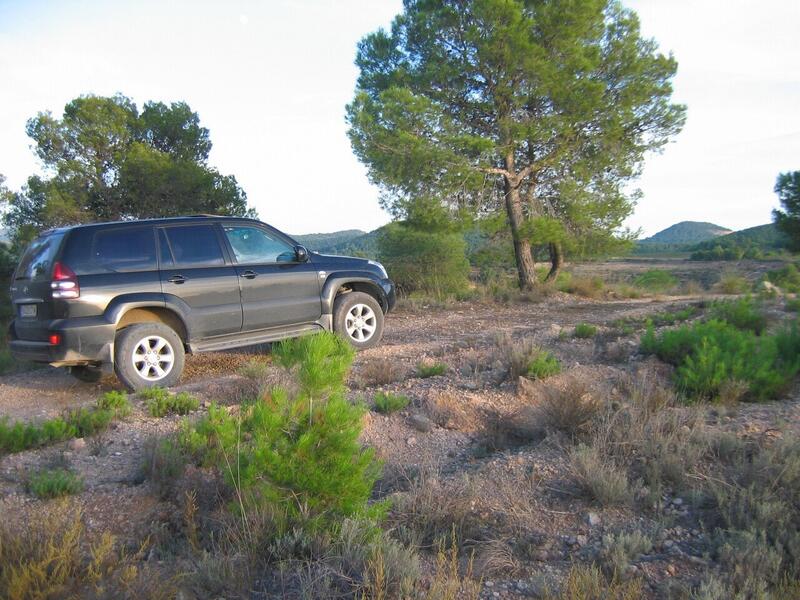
569,409
598,477
588,583
449,410
380,371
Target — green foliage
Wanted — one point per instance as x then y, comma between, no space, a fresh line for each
111,162
115,402
295,457
585,330
787,220
164,462
712,354
434,263
542,365
793,304
387,403
54,483
161,402
618,550
787,278
431,370
426,129
321,361
744,313
656,280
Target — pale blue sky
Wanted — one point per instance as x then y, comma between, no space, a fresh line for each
270,80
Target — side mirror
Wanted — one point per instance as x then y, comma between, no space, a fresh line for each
301,253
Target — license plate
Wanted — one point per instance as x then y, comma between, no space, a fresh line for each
27,310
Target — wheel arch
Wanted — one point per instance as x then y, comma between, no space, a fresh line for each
342,285
153,314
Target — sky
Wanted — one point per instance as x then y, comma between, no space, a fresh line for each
270,79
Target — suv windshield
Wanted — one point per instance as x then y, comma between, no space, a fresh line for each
37,262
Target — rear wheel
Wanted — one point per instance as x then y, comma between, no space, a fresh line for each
148,355
86,373
358,318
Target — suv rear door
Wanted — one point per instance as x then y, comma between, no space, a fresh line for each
276,288
31,295
193,268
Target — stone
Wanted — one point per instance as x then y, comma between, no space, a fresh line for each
668,544
582,540
677,502
412,441
77,444
593,519
420,423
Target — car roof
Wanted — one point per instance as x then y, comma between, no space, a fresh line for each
165,220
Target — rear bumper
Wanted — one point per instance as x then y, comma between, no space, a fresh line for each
83,341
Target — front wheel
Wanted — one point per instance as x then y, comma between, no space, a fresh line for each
358,318
148,355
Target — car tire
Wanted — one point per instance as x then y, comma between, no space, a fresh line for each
358,318
148,355
86,373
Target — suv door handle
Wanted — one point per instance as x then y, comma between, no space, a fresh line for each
177,279
249,274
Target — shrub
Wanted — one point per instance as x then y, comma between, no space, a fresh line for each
599,478
709,355
787,278
434,263
386,403
161,402
793,304
431,370
743,313
570,409
656,281
54,483
588,583
163,464
731,282
543,365
619,549
584,331
588,287
294,457
380,371
115,402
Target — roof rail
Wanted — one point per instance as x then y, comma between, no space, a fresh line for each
205,215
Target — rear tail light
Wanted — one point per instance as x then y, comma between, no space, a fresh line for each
55,339
65,282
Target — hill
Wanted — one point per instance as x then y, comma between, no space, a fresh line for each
755,242
321,241
687,232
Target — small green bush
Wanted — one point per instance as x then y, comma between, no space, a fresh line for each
431,370
386,403
160,402
670,318
793,304
164,463
656,281
743,313
116,402
54,483
711,354
294,457
543,365
585,330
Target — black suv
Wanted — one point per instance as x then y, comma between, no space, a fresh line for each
137,295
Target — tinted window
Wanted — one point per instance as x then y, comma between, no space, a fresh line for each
116,250
37,262
254,245
195,245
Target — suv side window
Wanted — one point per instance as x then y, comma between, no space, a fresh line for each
195,245
253,245
117,250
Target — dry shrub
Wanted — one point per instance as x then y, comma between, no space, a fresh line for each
49,559
448,583
588,583
518,355
380,371
598,477
569,409
588,287
449,410
431,513
496,557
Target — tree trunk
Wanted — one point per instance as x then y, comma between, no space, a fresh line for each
556,260
522,247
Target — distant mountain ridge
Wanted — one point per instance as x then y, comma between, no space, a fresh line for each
687,232
352,242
